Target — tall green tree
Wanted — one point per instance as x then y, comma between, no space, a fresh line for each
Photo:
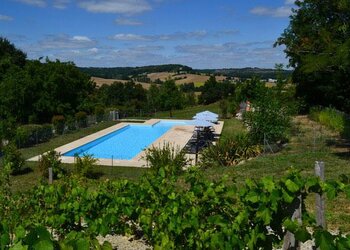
170,96
317,44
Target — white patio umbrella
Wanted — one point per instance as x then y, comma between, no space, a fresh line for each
209,118
208,113
201,123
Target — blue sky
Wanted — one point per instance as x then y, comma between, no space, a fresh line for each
112,33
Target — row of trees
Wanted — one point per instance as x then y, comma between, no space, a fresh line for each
33,91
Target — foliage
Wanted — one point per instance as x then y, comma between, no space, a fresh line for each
99,113
173,160
84,165
71,123
38,237
229,151
31,134
81,118
5,184
199,214
127,94
42,90
317,43
223,105
52,160
58,122
170,97
270,118
249,90
213,91
333,119
13,157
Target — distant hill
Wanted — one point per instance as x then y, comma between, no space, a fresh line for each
126,73
245,72
149,73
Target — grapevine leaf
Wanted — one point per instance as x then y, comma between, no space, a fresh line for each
324,240
82,244
106,246
20,232
19,246
43,245
268,183
291,186
265,215
347,191
302,235
343,244
252,197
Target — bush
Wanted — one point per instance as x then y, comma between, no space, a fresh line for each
58,122
81,118
167,157
52,160
31,134
13,157
223,108
99,113
332,118
229,151
71,123
269,119
84,165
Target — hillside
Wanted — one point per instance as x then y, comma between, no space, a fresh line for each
124,73
194,75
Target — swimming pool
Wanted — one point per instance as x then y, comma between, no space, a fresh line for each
127,142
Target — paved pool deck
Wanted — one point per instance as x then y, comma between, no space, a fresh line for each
178,136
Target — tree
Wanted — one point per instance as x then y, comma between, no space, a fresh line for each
153,97
170,96
317,44
213,91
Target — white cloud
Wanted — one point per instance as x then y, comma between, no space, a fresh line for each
128,22
81,38
65,42
162,37
60,4
289,2
5,18
283,11
38,3
130,37
93,50
115,6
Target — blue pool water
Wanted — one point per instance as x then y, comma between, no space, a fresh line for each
125,143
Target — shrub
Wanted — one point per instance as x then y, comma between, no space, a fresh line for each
31,134
223,108
333,119
52,160
58,122
168,157
84,165
229,151
99,113
270,119
13,157
71,123
81,118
